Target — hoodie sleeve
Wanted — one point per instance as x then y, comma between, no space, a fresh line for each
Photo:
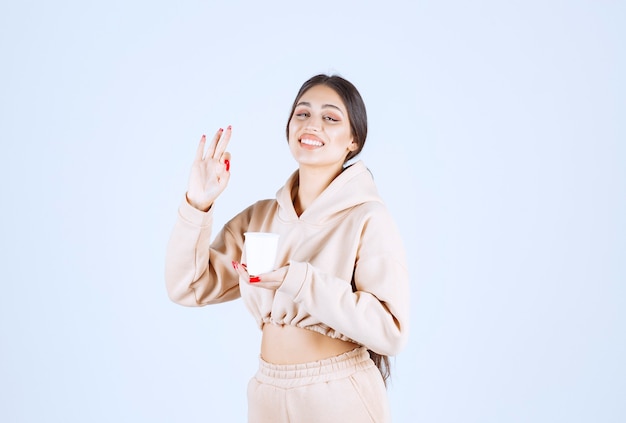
197,272
376,312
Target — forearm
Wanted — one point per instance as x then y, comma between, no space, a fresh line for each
195,271
375,315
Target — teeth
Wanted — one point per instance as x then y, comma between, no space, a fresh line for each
311,142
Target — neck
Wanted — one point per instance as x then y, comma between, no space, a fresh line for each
312,182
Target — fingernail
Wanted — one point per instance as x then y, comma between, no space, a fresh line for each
227,164
255,279
244,266
234,263
229,127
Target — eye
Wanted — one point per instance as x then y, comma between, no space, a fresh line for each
301,114
331,119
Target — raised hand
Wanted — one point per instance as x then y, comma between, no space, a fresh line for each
209,171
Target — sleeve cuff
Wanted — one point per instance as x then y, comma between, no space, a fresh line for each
194,216
294,280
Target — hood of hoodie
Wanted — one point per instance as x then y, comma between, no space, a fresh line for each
354,186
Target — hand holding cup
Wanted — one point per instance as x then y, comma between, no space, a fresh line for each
260,249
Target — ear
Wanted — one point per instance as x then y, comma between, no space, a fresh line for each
353,146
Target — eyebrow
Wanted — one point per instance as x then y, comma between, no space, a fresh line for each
324,106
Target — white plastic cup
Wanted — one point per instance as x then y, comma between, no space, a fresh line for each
260,252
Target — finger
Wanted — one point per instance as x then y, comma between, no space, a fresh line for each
241,270
252,278
275,275
223,178
265,280
211,150
225,160
264,277
200,150
223,143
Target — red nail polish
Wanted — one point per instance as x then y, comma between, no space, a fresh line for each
255,279
227,164
234,263
229,127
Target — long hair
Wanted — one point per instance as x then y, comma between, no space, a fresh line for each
382,362
357,115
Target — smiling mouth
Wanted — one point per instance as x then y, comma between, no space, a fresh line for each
310,142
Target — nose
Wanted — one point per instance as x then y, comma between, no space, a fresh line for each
314,124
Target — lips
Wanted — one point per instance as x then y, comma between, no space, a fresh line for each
311,142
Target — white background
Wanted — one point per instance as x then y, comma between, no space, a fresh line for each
497,138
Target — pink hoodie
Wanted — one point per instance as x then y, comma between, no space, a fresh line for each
347,274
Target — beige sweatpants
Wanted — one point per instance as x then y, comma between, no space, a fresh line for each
346,388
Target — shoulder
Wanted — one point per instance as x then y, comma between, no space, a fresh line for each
260,208
263,208
379,229
375,211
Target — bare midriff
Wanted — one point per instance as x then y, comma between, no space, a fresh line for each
292,345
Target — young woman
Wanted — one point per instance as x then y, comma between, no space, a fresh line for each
338,302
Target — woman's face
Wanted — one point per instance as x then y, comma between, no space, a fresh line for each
319,129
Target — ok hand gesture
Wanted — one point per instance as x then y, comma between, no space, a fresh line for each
210,171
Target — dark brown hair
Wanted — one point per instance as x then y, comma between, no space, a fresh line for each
357,115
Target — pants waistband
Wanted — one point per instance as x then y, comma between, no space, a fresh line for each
324,370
